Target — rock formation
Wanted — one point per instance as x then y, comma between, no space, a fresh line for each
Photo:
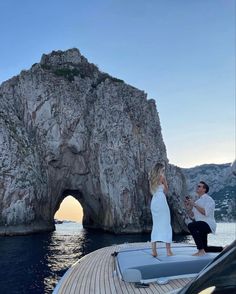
69,129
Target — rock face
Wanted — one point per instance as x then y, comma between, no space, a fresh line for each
221,179
69,129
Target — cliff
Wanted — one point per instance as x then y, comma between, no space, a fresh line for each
69,129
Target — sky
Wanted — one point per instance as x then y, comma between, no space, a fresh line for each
70,209
180,52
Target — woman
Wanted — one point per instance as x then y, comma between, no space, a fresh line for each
161,230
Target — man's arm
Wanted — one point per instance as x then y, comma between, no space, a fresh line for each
199,208
190,214
189,207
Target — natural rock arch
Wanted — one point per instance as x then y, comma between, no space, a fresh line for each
66,126
69,207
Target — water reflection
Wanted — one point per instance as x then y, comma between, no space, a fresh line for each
34,264
23,263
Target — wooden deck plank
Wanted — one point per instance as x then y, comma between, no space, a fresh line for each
81,276
94,274
109,273
157,288
93,284
90,276
78,277
99,276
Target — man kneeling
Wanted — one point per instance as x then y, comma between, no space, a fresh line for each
204,221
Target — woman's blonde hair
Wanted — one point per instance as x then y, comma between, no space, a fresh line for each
154,176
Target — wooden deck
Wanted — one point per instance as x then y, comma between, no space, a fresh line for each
95,274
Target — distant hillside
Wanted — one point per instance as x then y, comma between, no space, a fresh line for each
222,185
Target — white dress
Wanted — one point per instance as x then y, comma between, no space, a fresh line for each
161,230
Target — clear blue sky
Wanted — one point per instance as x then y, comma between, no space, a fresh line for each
180,52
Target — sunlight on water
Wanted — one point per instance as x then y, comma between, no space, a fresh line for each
225,234
35,263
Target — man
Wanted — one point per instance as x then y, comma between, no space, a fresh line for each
204,224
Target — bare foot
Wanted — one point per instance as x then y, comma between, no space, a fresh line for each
200,253
170,253
154,249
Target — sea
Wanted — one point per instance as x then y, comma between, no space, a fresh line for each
35,263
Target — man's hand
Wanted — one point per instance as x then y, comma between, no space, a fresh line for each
191,202
188,203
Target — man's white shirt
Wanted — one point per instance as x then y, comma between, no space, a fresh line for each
206,202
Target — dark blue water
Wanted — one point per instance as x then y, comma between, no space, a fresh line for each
35,263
